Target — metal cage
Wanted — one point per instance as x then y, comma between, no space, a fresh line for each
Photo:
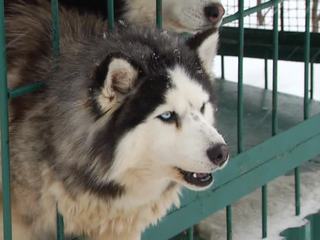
250,167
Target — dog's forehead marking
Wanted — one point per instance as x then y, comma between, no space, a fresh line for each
186,91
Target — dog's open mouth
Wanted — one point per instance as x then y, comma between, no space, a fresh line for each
197,179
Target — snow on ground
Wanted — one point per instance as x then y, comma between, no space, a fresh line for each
290,74
247,211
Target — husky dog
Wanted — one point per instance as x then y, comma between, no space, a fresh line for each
190,16
179,15
125,120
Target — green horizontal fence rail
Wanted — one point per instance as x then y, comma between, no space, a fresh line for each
276,156
258,44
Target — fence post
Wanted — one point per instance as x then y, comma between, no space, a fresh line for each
159,14
222,67
306,100
110,15
5,152
266,73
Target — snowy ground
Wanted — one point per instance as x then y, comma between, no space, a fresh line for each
247,211
290,78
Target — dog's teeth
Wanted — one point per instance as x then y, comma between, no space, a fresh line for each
194,175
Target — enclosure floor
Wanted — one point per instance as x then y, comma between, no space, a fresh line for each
258,115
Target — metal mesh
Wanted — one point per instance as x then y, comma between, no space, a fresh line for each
292,15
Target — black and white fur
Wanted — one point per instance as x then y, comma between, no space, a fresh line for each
125,121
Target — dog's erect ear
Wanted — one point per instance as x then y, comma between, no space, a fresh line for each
115,77
121,76
205,44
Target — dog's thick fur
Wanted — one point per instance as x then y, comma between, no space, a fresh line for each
97,143
178,15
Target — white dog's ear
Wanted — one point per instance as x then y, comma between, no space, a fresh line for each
205,44
115,77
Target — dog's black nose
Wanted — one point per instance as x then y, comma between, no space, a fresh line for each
218,154
214,12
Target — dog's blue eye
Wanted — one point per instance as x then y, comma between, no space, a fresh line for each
167,116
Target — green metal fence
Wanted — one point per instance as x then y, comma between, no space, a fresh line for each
250,168
291,15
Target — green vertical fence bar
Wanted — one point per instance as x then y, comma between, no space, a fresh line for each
297,191
56,51
282,16
110,15
55,27
311,80
307,60
266,73
240,79
159,13
264,190
229,222
240,103
264,210
306,100
190,233
222,67
60,226
4,111
275,69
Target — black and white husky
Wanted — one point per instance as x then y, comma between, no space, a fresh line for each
125,120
